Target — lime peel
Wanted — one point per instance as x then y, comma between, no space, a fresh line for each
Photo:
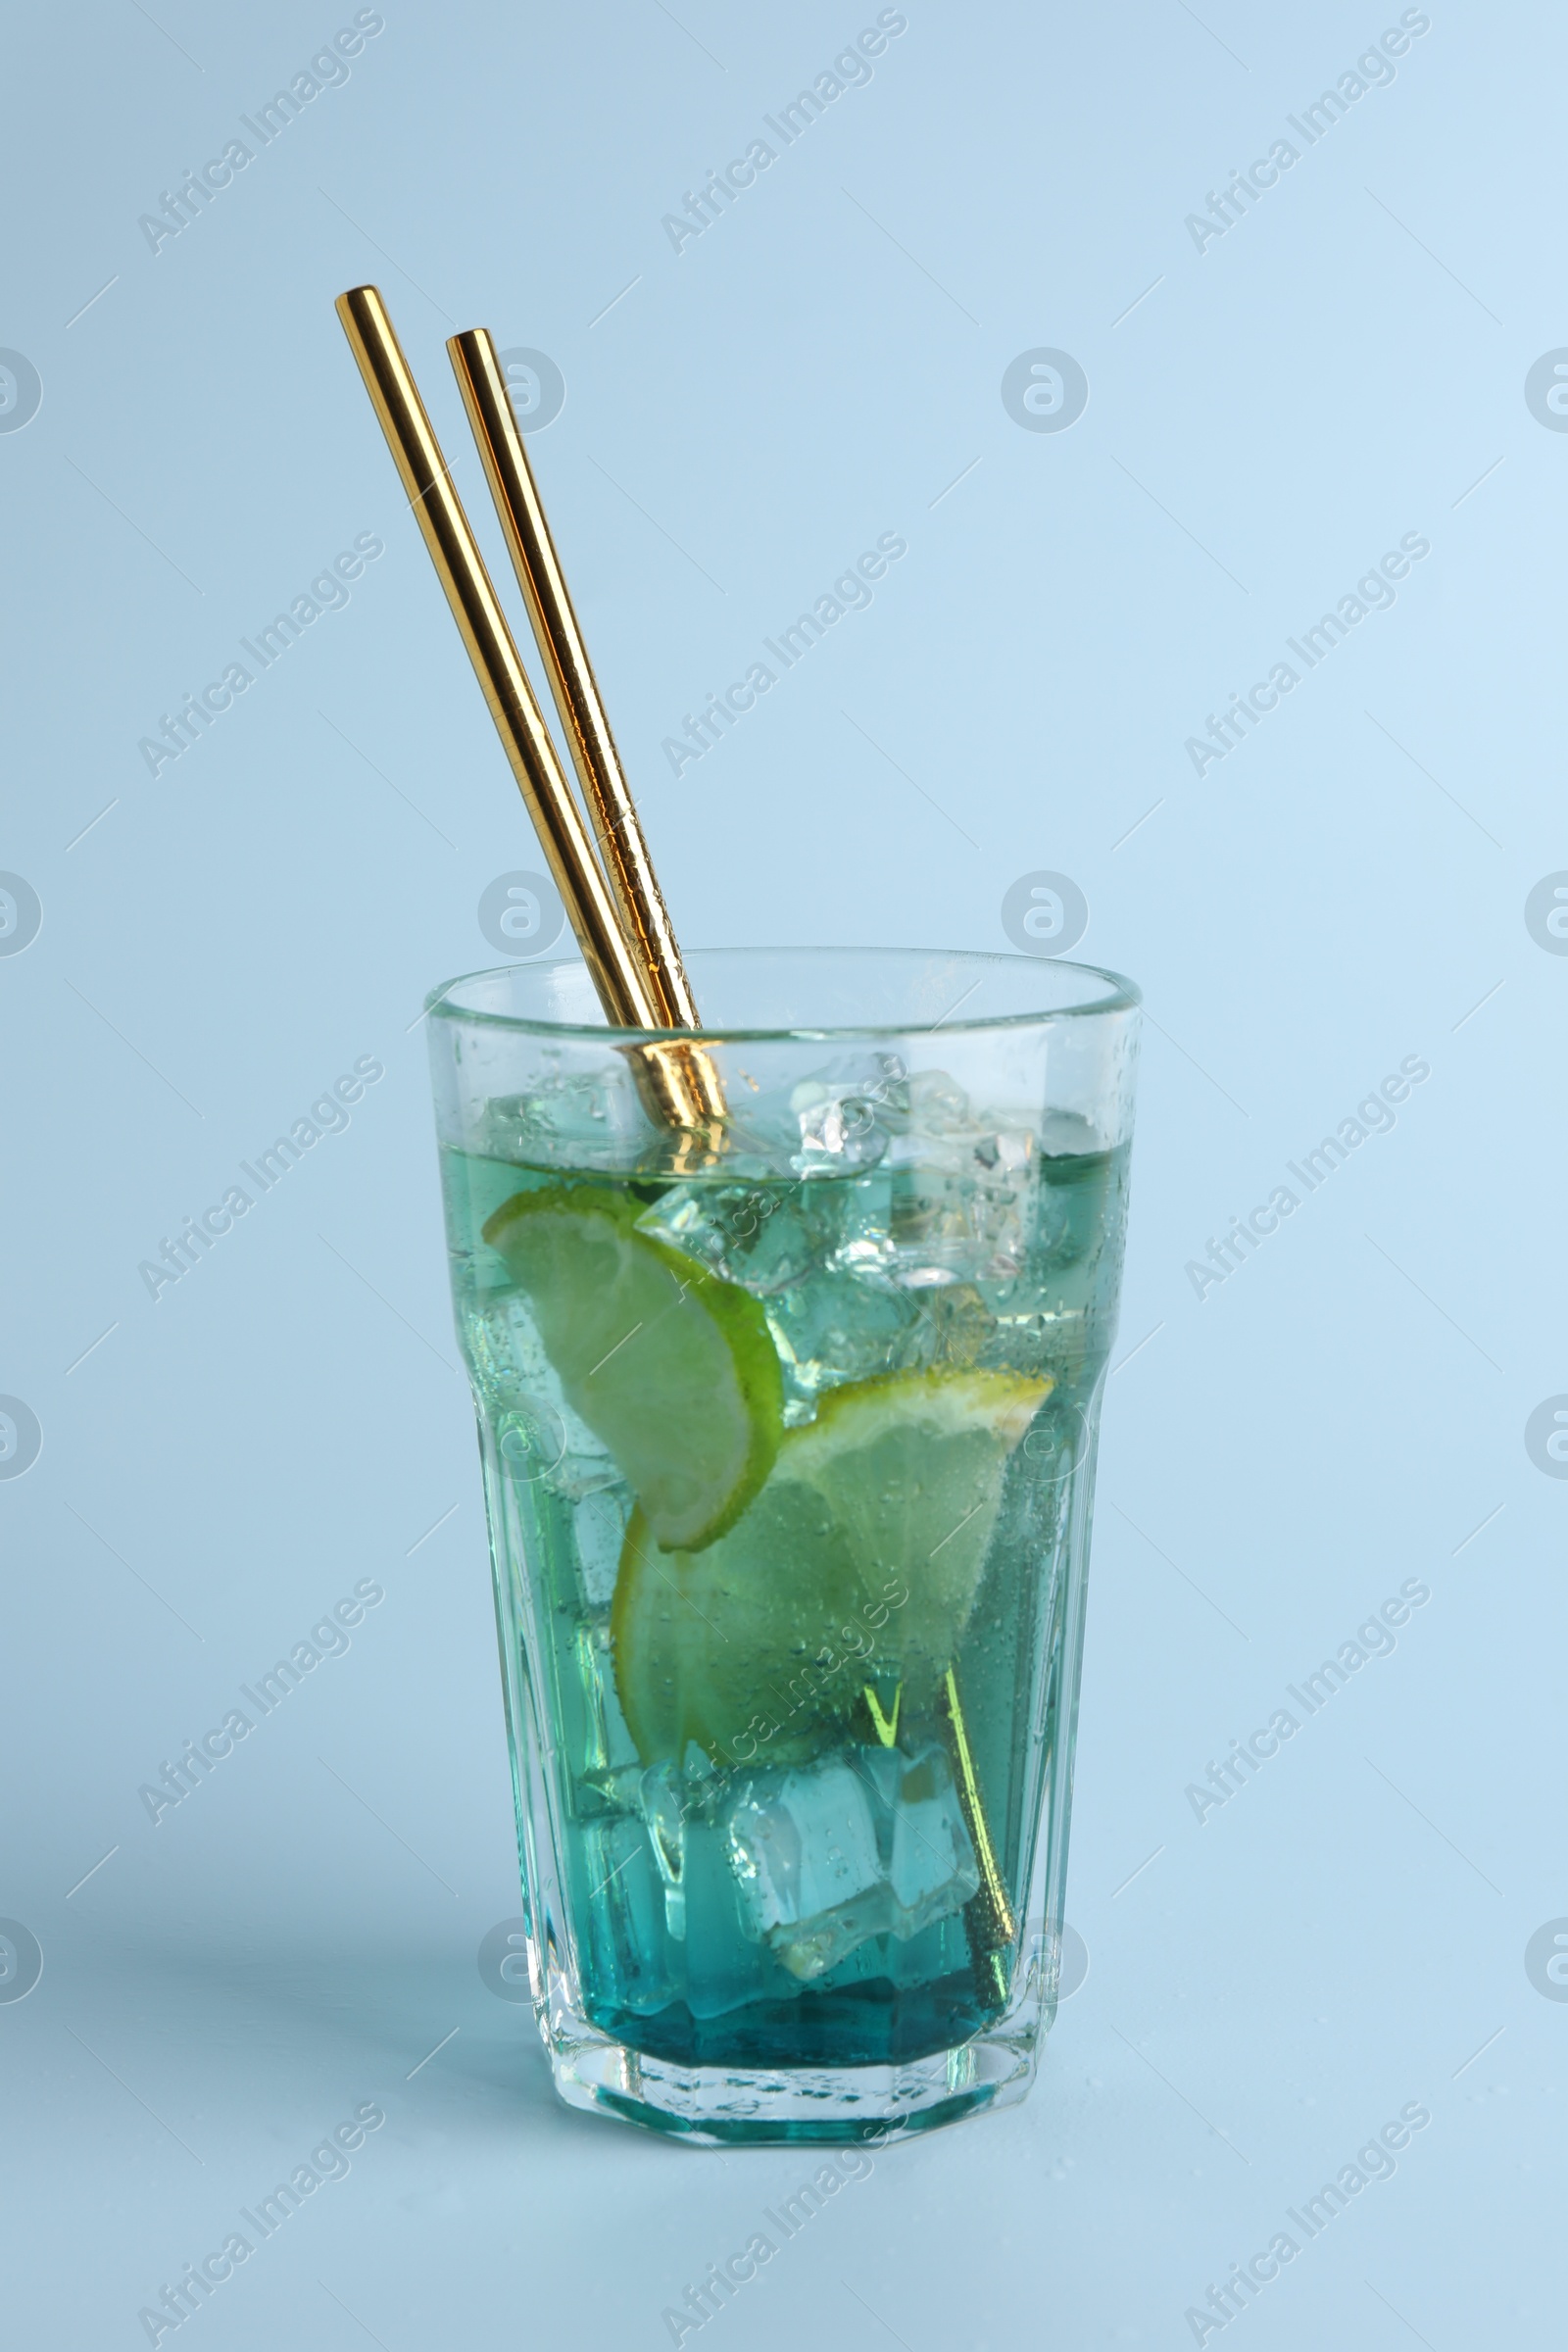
856,1563
671,1366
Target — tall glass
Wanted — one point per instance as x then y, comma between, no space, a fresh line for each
788,1434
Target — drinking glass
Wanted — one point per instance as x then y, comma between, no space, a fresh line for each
788,1437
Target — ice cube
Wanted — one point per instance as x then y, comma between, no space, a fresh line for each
663,1806
961,1186
563,1114
804,1851
597,1745
618,1913
956,1327
869,1841
959,1218
832,1120
839,1128
932,1868
840,1327
928,1103
766,1236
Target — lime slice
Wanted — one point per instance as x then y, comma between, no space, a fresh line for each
672,1366
858,1563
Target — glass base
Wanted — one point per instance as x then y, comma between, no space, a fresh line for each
719,2106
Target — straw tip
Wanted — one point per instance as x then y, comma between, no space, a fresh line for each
353,298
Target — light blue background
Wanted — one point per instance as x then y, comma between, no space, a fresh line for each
1345,889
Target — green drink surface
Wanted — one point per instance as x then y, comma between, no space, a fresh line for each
818,1896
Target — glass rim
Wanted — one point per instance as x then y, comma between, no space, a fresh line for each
1121,995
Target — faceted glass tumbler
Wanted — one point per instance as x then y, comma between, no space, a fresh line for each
788,1432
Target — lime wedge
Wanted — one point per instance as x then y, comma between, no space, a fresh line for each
858,1563
674,1368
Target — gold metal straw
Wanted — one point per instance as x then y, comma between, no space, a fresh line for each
481,380
614,965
